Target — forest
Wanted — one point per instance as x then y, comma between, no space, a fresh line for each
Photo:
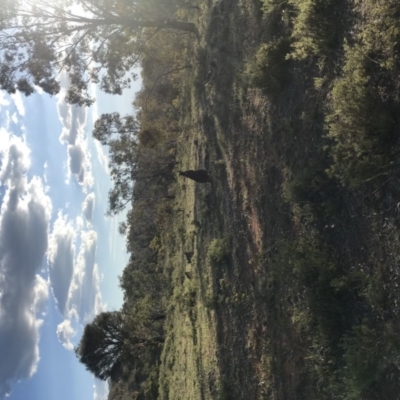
279,278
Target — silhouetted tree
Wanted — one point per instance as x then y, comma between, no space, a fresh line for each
129,162
111,127
102,344
106,340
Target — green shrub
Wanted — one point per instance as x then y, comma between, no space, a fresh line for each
322,300
217,251
316,27
268,70
365,101
381,33
312,185
360,124
277,17
319,194
308,273
271,6
369,353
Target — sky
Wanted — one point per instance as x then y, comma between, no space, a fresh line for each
60,256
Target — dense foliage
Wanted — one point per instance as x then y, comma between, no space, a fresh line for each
101,346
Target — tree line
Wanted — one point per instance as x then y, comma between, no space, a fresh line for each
101,41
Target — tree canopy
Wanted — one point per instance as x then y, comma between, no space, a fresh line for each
101,345
130,162
106,340
92,40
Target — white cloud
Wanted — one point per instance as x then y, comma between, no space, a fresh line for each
14,118
81,115
79,223
101,156
3,100
15,160
98,305
100,390
41,292
82,289
73,120
24,219
19,103
71,117
75,280
88,206
64,113
61,255
65,332
79,164
84,298
76,160
7,119
4,143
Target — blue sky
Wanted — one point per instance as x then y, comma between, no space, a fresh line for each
60,256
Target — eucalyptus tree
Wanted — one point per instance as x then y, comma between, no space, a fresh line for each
120,135
106,341
102,344
96,41
136,170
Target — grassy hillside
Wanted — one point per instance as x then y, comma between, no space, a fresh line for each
292,287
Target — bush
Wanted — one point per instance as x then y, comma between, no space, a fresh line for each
307,272
381,34
361,125
369,353
276,17
316,27
274,6
312,185
217,251
322,298
319,195
364,117
268,70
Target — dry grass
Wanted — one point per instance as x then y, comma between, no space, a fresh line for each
243,326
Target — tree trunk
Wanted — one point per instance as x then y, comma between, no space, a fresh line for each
170,24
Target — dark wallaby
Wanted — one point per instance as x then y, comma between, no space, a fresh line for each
200,175
189,255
